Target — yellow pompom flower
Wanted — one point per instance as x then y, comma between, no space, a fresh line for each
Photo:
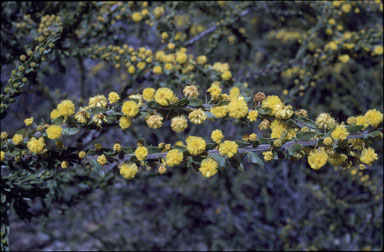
128,170
327,141
253,137
102,159
54,132
344,58
368,155
155,121
202,59
149,94
174,157
136,17
113,97
125,122
4,135
317,159
362,120
179,123
17,139
237,108
195,145
267,155
191,91
274,103
217,136
158,11
340,133
157,70
82,115
82,154
2,155
252,115
215,90
378,50
279,128
66,108
325,121
228,148
219,111
141,153
64,164
54,114
130,108
337,159
181,58
197,116
97,101
374,117
226,75
165,96
36,146
234,93
208,167
28,121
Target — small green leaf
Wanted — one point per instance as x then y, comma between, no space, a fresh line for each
264,111
219,159
194,102
254,158
153,149
58,120
373,134
70,131
153,105
294,149
307,122
96,110
302,136
354,128
128,150
182,103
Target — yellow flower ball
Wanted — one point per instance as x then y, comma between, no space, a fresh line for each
252,115
158,11
191,91
197,116
179,123
97,101
54,132
155,121
141,153
149,94
174,157
54,114
130,108
317,159
237,108
28,121
128,170
344,58
102,159
217,136
181,58
368,155
274,103
208,167
227,75
228,148
113,97
66,108
362,120
325,121
157,70
195,145
64,164
136,17
340,133
219,111
17,139
374,117
2,155
36,146
202,59
327,141
125,122
165,96
267,155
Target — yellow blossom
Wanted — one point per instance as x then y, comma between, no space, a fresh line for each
141,153
197,116
149,94
157,70
279,128
174,157
4,135
28,121
327,141
227,75
54,114
17,139
165,96
374,117
82,154
237,108
54,132
2,155
215,90
368,155
217,136
362,120
181,58
340,133
202,59
317,159
195,145
268,156
66,108
136,17
128,170
130,108
228,148
274,103
253,137
158,11
125,122
36,146
155,121
191,91
64,164
325,121
208,167
344,58
179,123
82,115
97,101
219,111
113,97
252,115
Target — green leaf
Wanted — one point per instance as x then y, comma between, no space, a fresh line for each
153,105
223,102
70,131
58,120
182,103
194,102
219,159
211,146
242,144
373,134
182,148
153,149
128,150
97,167
302,136
354,128
96,110
254,158
264,111
307,122
294,149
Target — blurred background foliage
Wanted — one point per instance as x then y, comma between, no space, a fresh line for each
278,48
